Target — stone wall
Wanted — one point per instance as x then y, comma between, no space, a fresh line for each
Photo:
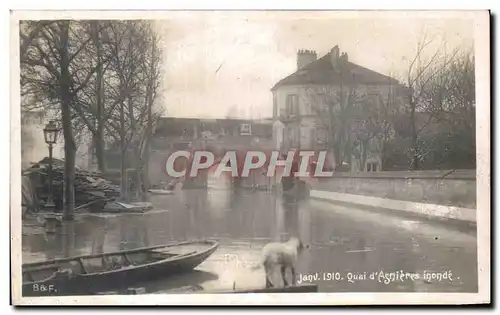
449,188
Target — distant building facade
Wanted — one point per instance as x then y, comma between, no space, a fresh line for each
297,97
217,135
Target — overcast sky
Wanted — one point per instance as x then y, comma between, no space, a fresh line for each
216,63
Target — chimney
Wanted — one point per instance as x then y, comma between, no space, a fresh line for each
305,57
334,56
344,57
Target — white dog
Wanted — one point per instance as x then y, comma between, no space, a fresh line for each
281,254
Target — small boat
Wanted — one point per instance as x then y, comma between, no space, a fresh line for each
88,274
160,192
121,207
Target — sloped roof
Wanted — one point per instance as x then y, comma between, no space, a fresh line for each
321,71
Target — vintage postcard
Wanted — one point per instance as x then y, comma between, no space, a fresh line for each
250,157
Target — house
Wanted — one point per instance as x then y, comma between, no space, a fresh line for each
300,102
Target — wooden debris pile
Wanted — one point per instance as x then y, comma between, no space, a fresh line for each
90,187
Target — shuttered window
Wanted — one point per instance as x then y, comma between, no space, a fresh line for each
292,104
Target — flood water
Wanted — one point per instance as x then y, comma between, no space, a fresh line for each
344,242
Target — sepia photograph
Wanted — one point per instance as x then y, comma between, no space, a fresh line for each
250,157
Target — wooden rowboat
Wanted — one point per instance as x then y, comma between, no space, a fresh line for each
82,275
160,192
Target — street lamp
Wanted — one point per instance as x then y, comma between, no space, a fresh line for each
50,135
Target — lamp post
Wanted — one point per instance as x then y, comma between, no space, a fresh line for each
50,135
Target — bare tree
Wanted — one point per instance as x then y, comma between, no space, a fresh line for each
92,109
421,72
368,124
136,70
29,31
151,68
124,69
334,106
372,126
99,101
452,102
54,72
452,93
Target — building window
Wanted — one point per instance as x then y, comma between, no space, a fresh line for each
245,130
275,104
292,104
371,167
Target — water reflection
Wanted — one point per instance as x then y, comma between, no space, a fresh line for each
205,214
280,231
133,233
62,243
242,222
68,239
99,236
291,213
